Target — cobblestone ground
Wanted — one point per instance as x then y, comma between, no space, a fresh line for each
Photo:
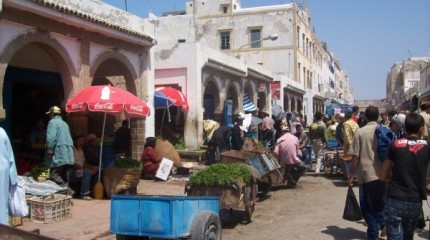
311,211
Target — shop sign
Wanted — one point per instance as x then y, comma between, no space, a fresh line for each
276,90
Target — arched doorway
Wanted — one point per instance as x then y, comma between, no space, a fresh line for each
211,101
232,95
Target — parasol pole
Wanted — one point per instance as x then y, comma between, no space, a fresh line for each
98,188
101,146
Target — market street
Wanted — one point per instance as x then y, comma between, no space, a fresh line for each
312,211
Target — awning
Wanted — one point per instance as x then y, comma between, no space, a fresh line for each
248,106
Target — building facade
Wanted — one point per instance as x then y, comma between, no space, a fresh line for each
302,67
50,50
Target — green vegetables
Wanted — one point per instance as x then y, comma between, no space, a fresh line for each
128,163
40,170
221,175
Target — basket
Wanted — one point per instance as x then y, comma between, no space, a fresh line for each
53,208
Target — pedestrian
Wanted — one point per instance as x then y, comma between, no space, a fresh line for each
236,135
384,120
349,127
268,129
286,149
355,110
404,169
318,138
123,139
371,188
425,110
8,175
287,120
340,133
59,148
361,121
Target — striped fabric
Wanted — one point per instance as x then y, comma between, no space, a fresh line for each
248,106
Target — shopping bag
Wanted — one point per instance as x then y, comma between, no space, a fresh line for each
17,204
352,211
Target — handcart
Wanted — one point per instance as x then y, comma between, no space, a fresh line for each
170,217
237,196
331,158
260,158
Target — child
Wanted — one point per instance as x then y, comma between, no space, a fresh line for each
404,169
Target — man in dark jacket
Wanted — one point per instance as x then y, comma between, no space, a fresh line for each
219,143
236,138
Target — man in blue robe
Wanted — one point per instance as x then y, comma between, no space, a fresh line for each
8,175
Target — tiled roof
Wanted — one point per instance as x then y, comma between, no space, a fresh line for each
62,6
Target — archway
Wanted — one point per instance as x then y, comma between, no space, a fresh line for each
232,95
211,100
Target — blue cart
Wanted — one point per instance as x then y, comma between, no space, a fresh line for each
168,217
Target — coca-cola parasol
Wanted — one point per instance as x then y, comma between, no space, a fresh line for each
109,100
176,96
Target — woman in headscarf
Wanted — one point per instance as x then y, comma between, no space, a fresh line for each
149,158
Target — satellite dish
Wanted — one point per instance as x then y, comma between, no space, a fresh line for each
327,103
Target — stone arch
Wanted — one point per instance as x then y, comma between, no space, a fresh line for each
232,92
211,98
52,47
125,66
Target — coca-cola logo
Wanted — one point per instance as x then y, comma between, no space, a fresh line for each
136,108
77,106
103,106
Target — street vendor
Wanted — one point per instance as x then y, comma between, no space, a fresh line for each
149,158
236,135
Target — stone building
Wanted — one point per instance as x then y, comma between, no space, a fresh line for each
403,84
301,66
50,50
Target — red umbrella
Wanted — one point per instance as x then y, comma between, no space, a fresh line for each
110,100
176,96
107,99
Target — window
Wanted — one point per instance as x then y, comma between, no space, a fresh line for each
298,36
225,40
255,37
225,9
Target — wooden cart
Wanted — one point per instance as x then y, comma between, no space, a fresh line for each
238,195
262,159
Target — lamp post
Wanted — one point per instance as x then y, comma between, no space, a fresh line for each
272,37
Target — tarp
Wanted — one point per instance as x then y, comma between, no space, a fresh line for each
248,106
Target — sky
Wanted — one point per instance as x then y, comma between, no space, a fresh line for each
367,36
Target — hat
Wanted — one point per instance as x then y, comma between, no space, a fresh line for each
342,115
90,137
285,129
54,109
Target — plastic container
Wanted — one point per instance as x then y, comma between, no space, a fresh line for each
53,208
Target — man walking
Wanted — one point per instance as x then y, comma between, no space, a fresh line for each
365,158
59,147
318,137
406,161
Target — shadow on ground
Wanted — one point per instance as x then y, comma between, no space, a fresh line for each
344,233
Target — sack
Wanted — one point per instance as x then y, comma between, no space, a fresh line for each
352,211
384,136
17,204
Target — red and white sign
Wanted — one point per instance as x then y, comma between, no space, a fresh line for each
276,90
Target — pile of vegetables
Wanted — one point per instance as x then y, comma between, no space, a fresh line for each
221,175
40,170
128,163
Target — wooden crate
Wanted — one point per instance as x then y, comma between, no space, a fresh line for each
15,221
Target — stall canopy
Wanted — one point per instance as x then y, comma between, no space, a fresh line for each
161,100
248,106
177,97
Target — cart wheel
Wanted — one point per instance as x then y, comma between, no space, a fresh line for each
206,226
264,185
249,206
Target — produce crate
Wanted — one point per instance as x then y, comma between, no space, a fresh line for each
15,221
53,208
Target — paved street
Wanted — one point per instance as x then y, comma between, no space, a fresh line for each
312,211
